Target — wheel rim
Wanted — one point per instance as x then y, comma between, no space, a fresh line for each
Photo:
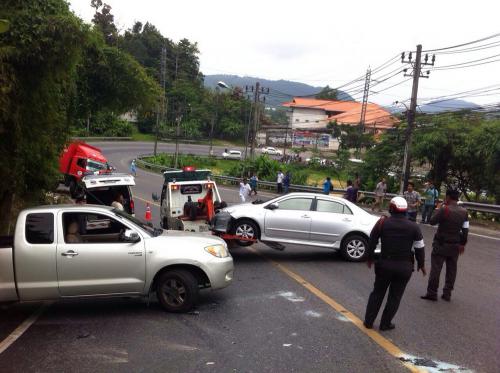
245,231
175,292
356,249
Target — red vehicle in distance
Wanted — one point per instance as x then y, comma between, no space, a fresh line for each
80,159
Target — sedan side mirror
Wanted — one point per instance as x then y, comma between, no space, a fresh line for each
130,236
273,206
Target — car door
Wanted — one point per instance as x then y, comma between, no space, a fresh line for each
291,220
330,221
92,258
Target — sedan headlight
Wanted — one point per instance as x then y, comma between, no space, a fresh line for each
220,251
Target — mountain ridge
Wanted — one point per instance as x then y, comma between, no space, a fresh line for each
280,90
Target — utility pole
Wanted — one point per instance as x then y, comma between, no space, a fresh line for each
249,123
160,113
416,74
366,93
214,119
258,91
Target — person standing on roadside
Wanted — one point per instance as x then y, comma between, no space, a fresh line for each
380,191
431,194
245,190
286,181
356,185
279,182
402,242
253,184
327,185
449,242
350,193
412,197
133,168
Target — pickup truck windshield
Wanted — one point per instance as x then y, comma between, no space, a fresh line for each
153,232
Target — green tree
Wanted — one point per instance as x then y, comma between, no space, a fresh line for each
105,21
38,58
327,93
110,80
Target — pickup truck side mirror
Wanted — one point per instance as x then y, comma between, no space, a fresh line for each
155,197
272,206
130,236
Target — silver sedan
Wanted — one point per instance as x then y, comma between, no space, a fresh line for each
305,219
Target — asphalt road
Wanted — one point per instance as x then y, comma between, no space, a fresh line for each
291,311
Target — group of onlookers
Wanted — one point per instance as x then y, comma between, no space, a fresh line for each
413,199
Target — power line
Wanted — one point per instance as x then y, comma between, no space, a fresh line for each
463,44
466,62
472,49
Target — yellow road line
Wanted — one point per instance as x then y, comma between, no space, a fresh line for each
21,329
383,342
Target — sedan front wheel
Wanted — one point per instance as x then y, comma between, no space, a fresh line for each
246,229
355,248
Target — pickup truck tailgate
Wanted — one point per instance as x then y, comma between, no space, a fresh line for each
7,283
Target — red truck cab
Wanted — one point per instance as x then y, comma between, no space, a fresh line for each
78,159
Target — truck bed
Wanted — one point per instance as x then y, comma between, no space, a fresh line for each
8,291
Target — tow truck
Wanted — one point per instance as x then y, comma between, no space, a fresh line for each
189,202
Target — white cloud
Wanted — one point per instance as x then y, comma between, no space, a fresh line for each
323,42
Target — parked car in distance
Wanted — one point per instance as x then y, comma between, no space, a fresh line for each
316,160
271,151
231,154
304,219
67,251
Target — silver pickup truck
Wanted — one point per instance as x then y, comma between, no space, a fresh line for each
68,251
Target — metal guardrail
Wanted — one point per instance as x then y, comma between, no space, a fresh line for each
105,138
271,186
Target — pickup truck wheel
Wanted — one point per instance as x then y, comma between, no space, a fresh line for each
245,228
355,248
177,290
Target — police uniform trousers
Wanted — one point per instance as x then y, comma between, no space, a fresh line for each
446,253
393,275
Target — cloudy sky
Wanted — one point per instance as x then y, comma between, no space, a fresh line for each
322,42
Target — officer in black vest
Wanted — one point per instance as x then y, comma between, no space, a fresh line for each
449,242
401,241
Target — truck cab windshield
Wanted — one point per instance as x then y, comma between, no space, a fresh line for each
95,165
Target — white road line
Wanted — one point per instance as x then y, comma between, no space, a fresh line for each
21,329
483,236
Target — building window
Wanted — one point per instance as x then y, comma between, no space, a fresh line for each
317,121
296,120
307,120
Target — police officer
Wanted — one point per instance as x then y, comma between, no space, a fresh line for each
401,241
449,242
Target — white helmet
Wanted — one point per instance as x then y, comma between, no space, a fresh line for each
398,204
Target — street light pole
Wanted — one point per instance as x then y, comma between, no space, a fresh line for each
214,119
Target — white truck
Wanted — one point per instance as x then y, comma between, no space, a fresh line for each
189,198
67,251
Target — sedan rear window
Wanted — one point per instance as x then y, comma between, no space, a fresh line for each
332,206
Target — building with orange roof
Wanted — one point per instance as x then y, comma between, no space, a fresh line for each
314,115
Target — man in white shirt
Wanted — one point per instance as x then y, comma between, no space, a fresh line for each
244,190
279,181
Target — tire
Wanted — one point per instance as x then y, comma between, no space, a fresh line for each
177,290
246,228
355,248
